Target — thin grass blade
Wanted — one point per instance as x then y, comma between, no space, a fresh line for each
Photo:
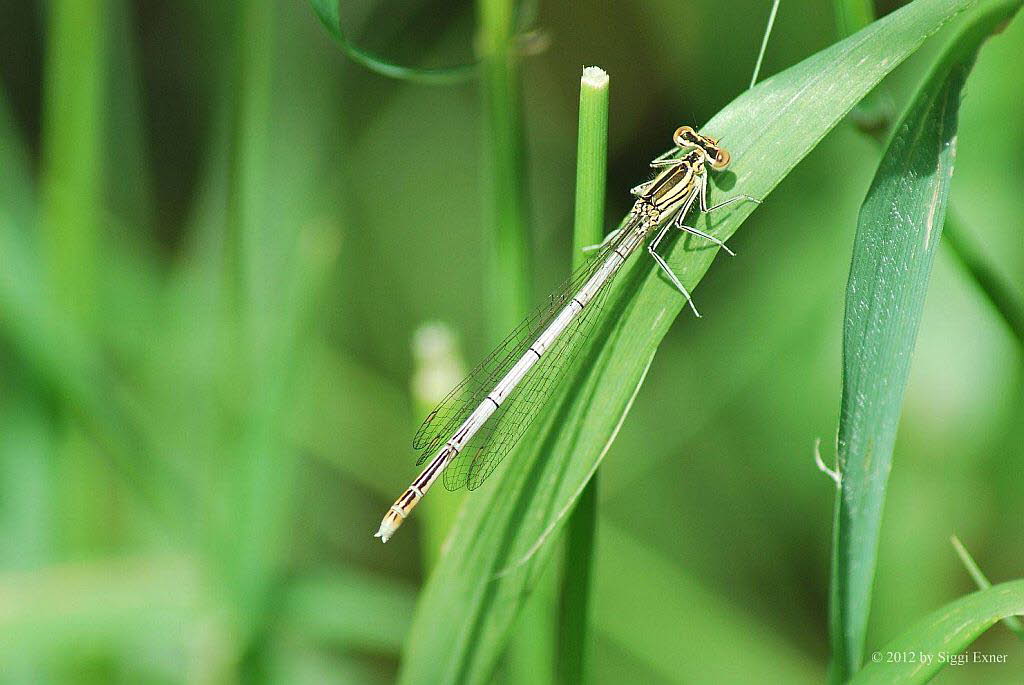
948,631
982,581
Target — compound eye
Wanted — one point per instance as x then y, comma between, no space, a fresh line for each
685,136
721,159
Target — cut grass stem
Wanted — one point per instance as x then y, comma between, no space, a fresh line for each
588,229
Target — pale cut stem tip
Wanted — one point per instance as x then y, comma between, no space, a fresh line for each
594,77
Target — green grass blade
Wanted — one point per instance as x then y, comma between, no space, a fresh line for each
873,117
898,230
328,14
591,162
764,43
949,631
853,15
470,601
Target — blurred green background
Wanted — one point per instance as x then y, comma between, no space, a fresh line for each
219,237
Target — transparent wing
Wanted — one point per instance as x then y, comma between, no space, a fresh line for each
442,422
513,418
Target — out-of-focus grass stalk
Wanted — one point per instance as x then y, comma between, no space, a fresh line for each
588,229
508,273
72,135
438,368
874,117
248,154
874,114
980,579
852,15
258,479
1003,298
72,185
504,202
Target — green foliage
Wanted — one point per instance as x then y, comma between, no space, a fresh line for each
218,236
499,544
898,232
1011,622
942,636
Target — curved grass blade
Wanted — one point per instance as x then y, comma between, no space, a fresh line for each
898,232
328,14
498,545
950,630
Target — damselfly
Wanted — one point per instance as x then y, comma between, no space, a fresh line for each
480,421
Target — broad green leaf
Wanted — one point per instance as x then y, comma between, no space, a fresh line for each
898,231
499,543
943,634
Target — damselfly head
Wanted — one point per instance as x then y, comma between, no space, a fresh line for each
718,157
685,137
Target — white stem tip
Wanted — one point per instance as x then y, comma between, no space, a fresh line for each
594,77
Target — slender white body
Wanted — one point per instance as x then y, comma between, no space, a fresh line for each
637,230
677,184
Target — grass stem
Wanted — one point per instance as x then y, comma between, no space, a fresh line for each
72,186
764,43
505,210
72,181
591,165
